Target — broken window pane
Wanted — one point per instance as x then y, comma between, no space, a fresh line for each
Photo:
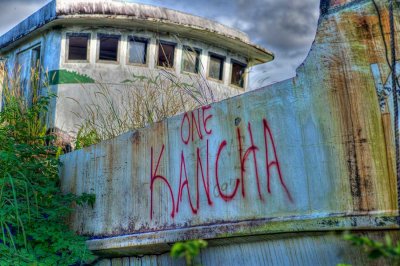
216,67
137,51
78,46
166,53
108,47
191,59
238,73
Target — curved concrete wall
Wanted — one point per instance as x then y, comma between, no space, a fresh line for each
314,153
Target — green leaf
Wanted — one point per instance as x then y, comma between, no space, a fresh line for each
375,253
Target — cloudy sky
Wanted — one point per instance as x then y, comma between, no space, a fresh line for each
285,27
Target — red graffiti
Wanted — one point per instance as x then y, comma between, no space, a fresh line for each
185,118
243,158
224,196
195,126
206,118
183,185
154,177
206,184
192,125
274,161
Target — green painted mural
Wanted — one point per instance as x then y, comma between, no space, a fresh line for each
63,76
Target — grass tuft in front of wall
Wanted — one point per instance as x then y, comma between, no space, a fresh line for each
112,110
33,210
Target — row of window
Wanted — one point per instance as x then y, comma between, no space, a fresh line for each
78,44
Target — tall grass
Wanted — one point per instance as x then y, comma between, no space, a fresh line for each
141,100
2,72
33,211
112,109
24,113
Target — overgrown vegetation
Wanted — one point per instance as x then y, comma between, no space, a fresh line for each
33,211
188,250
376,249
112,109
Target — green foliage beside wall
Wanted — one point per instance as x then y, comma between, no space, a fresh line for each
375,249
188,250
33,211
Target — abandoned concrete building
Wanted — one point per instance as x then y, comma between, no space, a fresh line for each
91,41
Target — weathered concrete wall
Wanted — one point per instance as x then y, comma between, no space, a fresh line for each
314,153
312,249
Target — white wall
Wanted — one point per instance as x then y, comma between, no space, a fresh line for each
112,74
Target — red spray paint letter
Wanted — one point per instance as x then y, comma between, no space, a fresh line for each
225,197
243,158
185,117
205,119
271,162
154,177
183,185
206,184
197,125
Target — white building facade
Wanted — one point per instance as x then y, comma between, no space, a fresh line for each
80,44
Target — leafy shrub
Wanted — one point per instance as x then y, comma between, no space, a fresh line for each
86,137
33,210
376,249
189,250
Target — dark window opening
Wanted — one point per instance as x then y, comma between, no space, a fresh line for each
78,46
36,59
138,51
166,53
238,74
216,67
191,60
108,47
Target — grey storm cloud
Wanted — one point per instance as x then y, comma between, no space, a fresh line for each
13,11
286,27
283,25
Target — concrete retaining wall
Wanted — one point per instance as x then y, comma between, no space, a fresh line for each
310,154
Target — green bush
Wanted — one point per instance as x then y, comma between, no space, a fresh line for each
33,211
376,249
189,250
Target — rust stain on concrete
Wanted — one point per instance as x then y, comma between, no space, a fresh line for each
314,153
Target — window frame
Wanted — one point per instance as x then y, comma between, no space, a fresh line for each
160,42
198,59
223,60
233,61
110,35
138,39
77,34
